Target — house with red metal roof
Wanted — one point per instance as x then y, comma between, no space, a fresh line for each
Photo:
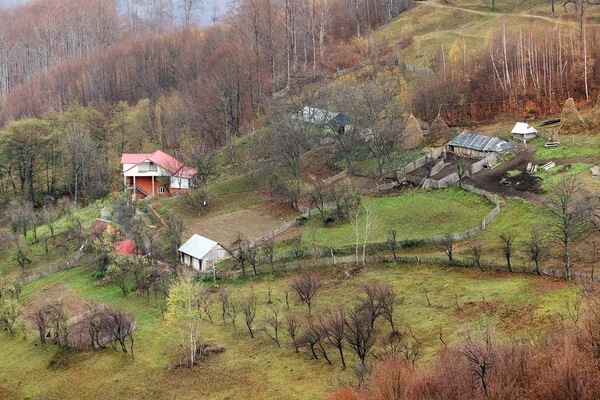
155,174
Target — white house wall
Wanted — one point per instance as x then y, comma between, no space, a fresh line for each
135,171
180,183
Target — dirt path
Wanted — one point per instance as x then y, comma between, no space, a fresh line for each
498,14
490,179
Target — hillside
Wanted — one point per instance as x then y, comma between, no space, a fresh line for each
304,200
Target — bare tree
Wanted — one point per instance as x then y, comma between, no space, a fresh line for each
476,250
273,325
268,250
392,241
507,240
479,351
333,324
293,328
448,246
120,325
225,299
247,306
570,222
536,248
306,285
358,332
315,336
42,321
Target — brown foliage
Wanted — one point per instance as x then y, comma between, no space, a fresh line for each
412,136
439,132
571,122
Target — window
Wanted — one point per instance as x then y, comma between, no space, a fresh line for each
161,190
152,167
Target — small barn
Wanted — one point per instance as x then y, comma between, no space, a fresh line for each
318,116
477,146
523,131
202,253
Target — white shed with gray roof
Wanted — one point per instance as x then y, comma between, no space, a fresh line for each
202,253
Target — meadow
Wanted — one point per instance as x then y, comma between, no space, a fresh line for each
414,214
256,368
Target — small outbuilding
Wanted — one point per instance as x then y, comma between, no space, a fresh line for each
318,116
478,146
202,253
523,131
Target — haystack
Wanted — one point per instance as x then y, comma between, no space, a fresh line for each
571,122
439,132
594,121
412,136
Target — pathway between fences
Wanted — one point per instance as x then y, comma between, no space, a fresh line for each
292,265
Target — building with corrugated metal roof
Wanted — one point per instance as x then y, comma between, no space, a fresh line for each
478,146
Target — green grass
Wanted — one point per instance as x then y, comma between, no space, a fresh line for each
583,147
414,214
256,368
553,175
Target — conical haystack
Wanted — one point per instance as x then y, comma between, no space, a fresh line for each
412,136
594,121
439,132
571,122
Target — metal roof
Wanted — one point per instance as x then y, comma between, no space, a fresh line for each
198,246
319,116
477,142
521,128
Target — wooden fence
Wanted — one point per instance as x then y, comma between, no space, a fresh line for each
71,264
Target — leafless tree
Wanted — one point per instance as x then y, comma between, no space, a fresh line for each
42,321
370,302
290,138
507,240
392,241
306,285
448,246
570,222
536,248
476,250
273,325
333,324
359,334
478,349
120,325
59,321
293,328
315,337
225,299
247,306
268,251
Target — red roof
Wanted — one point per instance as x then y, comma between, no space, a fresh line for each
126,247
171,164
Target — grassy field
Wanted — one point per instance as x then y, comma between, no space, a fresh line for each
583,147
414,214
256,368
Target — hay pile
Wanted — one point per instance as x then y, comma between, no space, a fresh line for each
439,133
571,122
594,121
412,136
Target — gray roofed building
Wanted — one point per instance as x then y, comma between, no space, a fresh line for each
202,253
478,146
319,116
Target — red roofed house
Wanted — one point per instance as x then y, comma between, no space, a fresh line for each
141,173
126,247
